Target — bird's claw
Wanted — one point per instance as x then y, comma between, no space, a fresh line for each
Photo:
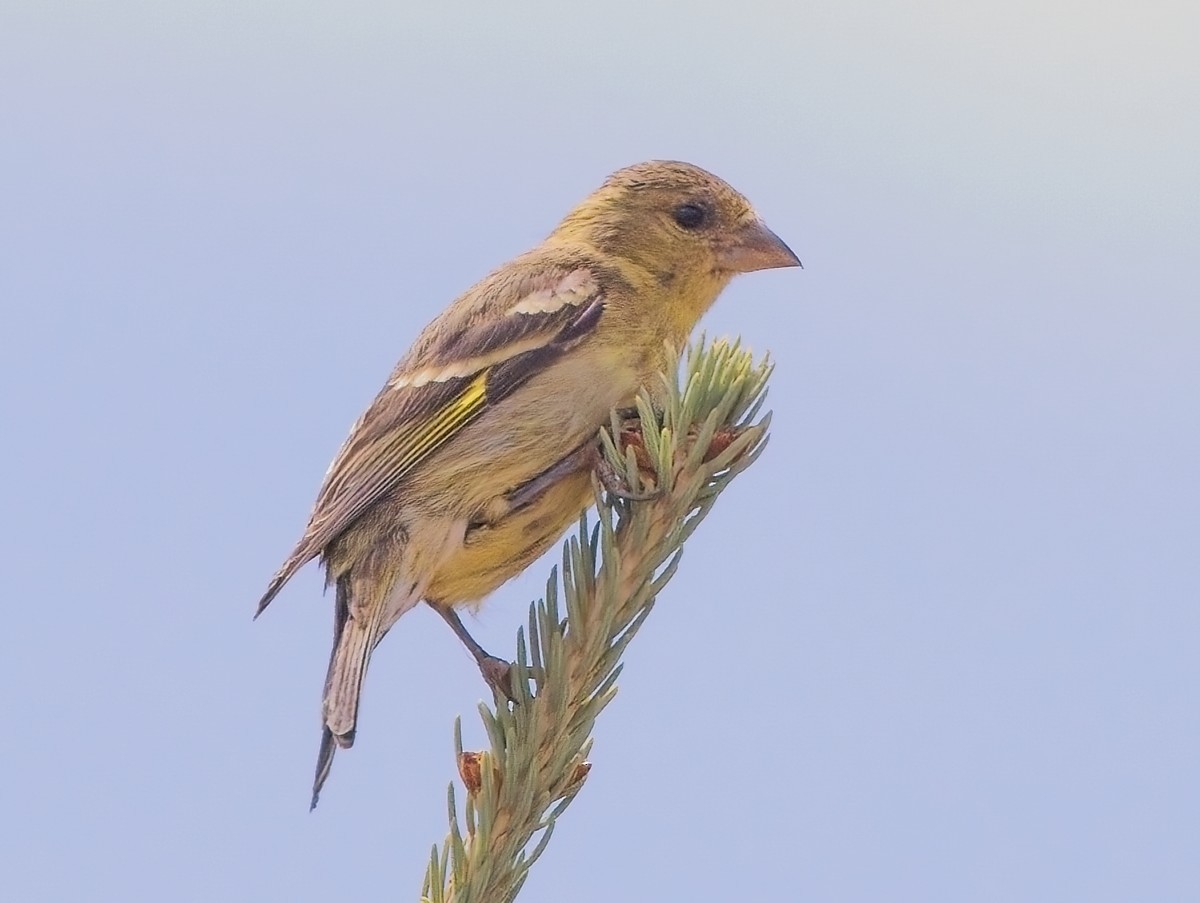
615,483
612,480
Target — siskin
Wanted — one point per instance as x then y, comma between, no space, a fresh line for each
476,455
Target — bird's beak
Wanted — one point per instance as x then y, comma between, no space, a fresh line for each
755,247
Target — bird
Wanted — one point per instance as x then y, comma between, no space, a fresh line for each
477,453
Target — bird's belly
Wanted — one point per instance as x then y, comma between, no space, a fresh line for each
492,553
524,436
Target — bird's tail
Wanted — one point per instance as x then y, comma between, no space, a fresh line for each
354,638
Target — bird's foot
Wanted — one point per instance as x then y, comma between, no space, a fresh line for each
498,675
614,482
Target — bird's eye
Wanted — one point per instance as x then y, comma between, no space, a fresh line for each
691,215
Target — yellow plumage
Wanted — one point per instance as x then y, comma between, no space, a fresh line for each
474,458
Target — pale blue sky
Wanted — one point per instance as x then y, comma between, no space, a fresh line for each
957,598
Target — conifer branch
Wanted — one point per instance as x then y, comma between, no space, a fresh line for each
567,661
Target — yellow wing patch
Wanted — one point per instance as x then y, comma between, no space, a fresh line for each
446,422
411,446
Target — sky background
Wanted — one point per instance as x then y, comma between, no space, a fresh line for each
958,599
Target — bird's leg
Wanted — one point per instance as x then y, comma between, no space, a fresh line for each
585,456
589,455
496,671
531,489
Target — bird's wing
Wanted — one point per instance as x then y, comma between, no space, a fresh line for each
477,353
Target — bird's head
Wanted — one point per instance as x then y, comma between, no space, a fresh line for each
687,229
